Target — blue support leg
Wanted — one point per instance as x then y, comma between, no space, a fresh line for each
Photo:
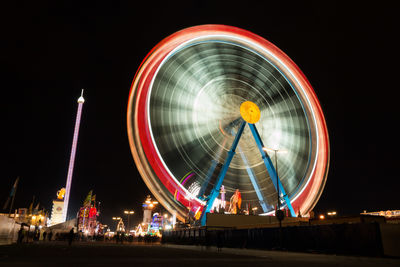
221,176
270,168
254,182
253,178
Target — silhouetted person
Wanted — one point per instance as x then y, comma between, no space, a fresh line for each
41,232
220,240
299,215
44,236
25,235
312,214
70,236
36,234
50,235
20,234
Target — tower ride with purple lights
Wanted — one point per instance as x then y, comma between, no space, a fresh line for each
81,100
189,104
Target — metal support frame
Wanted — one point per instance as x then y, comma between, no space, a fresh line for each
267,161
253,178
271,169
221,176
254,182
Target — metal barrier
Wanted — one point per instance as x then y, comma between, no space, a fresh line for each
355,238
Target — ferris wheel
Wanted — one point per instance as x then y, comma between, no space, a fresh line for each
216,106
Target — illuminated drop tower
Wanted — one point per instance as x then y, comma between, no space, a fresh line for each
81,100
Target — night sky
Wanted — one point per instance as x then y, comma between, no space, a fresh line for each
49,51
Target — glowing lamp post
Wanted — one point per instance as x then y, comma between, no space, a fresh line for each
279,214
276,168
331,213
119,220
153,204
148,207
254,210
128,213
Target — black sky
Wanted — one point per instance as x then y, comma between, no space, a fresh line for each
50,50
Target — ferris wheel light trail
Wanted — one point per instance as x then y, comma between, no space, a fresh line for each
81,100
184,105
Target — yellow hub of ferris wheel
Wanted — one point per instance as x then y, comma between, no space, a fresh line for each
250,112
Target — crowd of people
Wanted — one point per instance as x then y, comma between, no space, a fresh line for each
25,235
38,234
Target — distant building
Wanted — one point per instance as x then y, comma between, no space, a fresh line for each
391,216
28,217
58,207
87,216
148,206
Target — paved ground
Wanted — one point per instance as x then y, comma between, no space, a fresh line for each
111,254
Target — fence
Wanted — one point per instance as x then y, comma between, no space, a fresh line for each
354,239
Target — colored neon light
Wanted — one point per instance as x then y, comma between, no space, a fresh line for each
81,100
183,181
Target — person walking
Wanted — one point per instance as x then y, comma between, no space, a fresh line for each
36,234
25,235
117,237
41,236
20,234
50,235
70,236
220,240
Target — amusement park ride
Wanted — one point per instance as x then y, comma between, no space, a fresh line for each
189,105
250,114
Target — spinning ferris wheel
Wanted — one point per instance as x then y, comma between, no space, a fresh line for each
189,105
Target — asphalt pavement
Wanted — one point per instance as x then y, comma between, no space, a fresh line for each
139,254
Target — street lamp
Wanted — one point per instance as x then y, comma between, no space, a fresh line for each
331,213
279,214
282,151
116,219
128,213
153,204
254,210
